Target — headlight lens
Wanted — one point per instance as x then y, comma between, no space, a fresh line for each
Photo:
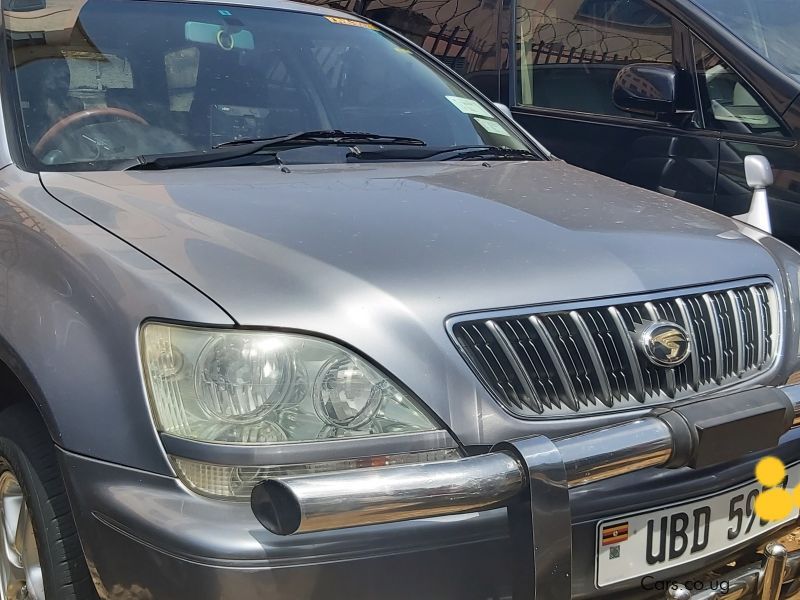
253,387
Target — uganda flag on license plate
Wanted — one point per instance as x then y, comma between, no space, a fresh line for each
614,534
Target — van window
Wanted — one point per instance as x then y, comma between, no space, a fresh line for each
768,26
570,51
728,102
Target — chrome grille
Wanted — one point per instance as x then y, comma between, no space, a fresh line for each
584,359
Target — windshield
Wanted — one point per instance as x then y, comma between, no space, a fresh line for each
768,26
102,82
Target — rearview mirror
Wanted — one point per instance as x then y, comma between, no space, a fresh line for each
225,38
646,89
758,173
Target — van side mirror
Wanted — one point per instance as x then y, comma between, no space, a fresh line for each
758,173
503,108
646,89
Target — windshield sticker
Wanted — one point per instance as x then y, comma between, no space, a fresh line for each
492,126
351,22
469,106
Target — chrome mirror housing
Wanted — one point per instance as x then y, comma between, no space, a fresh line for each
758,173
503,108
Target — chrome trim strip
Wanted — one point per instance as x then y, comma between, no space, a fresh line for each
775,578
242,455
639,298
760,327
689,326
739,325
713,323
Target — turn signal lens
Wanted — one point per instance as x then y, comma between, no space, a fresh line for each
236,483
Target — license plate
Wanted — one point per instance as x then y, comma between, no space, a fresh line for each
635,545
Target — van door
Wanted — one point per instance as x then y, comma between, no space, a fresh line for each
566,55
748,125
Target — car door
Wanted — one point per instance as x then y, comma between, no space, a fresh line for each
748,124
566,55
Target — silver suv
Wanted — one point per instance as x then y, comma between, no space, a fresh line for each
287,310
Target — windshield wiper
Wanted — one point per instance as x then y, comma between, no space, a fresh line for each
486,153
453,153
237,149
329,136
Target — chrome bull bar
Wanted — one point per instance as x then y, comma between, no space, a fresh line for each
532,478
776,578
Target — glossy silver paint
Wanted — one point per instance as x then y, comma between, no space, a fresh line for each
377,256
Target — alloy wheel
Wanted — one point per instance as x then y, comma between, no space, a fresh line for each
20,566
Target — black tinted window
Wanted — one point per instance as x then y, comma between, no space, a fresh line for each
569,52
728,102
770,27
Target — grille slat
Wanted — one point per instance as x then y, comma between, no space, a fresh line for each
738,328
529,396
715,336
586,360
630,353
596,359
570,397
694,360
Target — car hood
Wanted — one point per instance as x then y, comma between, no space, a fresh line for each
380,255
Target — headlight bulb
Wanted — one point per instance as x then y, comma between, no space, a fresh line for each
242,379
347,393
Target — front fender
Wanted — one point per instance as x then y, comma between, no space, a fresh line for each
72,298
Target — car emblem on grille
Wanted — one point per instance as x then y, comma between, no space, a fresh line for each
665,344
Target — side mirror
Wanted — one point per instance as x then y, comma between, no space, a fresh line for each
646,89
758,173
507,113
504,109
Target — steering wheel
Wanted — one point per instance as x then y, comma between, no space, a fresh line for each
82,118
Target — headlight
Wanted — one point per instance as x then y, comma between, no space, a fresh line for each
253,387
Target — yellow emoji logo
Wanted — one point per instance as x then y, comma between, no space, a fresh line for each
775,502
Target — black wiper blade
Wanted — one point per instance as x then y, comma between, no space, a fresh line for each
488,153
229,152
332,136
452,153
198,158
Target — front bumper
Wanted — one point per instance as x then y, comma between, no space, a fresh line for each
146,534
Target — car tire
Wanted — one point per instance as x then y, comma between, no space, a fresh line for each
31,485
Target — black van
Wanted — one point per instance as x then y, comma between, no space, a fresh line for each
722,81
